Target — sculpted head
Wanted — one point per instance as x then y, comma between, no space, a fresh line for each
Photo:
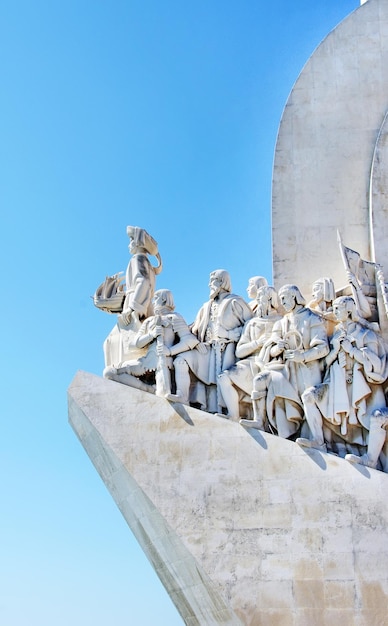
219,281
323,290
141,241
163,299
254,284
290,296
267,298
344,308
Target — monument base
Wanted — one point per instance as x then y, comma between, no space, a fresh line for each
242,527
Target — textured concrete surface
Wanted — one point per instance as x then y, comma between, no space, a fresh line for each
323,159
242,527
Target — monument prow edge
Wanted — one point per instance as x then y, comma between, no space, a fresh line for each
242,527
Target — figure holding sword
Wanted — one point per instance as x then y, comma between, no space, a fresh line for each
164,335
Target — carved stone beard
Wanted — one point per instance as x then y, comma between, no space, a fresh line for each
214,295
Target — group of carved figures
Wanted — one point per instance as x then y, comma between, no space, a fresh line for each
312,373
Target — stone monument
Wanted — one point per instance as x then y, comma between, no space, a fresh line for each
248,452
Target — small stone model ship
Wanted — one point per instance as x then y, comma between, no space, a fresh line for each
109,296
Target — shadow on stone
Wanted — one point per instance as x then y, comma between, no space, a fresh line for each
257,436
316,456
182,412
362,469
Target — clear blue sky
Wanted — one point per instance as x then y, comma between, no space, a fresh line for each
160,114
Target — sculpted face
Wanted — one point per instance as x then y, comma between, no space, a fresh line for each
287,299
340,311
215,283
132,246
158,302
251,289
317,292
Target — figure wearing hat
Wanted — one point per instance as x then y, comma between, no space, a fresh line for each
140,275
140,281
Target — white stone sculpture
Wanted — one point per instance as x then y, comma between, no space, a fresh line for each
110,295
340,408
218,327
164,335
361,277
309,534
140,275
323,294
254,284
236,383
263,363
140,279
377,442
292,362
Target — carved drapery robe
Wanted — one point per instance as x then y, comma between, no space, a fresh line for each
258,329
349,394
212,324
140,285
287,380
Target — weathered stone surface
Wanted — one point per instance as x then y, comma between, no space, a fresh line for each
242,527
324,153
379,210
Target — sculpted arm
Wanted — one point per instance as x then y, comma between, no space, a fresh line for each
246,345
277,341
318,345
369,355
147,333
359,297
187,341
242,314
319,349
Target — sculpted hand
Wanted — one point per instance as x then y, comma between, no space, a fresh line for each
202,348
346,345
336,342
157,331
294,355
126,316
278,348
352,279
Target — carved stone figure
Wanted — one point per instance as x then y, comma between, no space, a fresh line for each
323,294
140,274
218,327
254,284
164,335
292,358
352,388
377,442
236,383
139,290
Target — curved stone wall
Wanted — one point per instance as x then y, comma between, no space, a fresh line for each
325,148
